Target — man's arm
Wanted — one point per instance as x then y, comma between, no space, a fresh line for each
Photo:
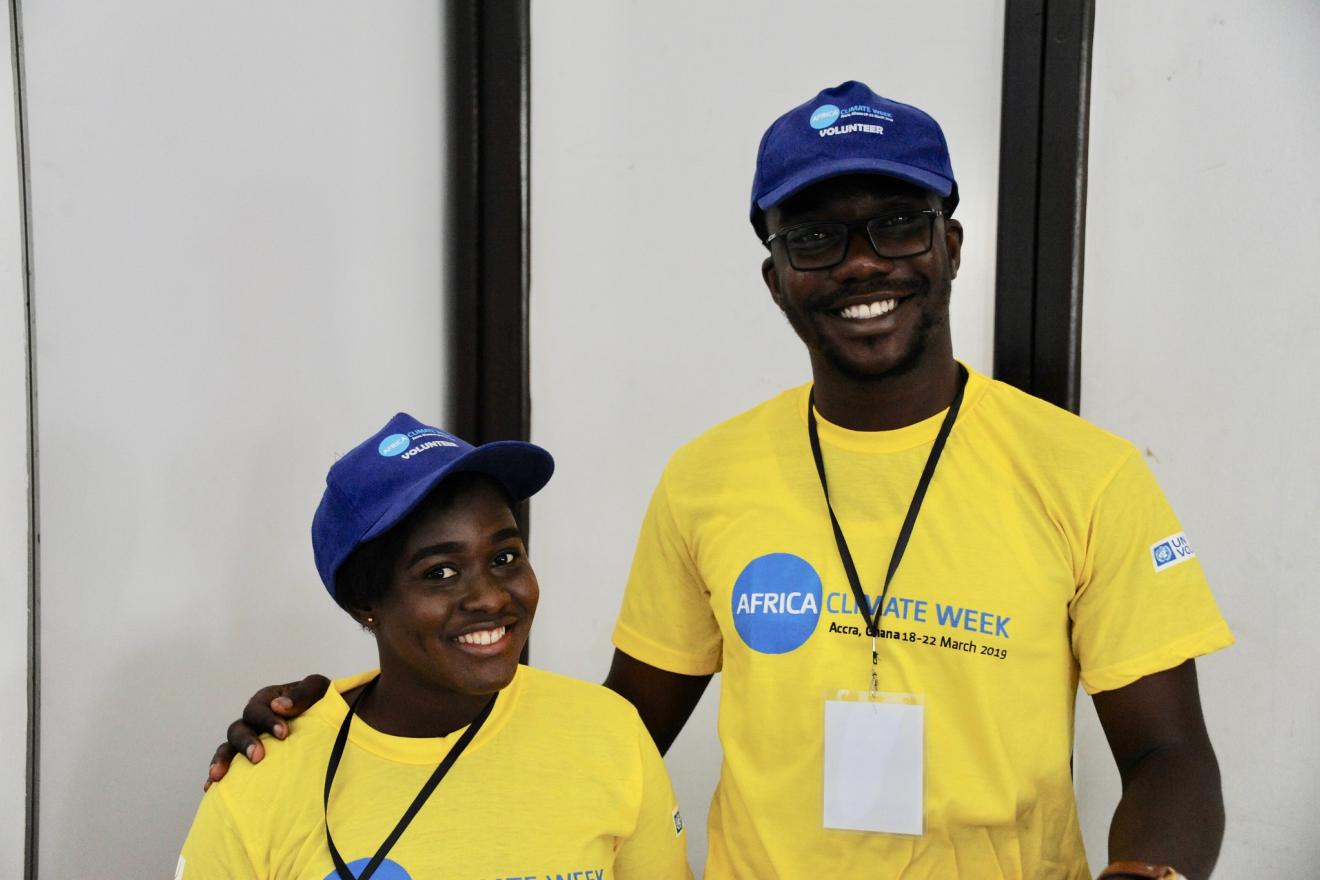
1172,809
663,699
265,712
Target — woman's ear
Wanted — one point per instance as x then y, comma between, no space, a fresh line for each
366,617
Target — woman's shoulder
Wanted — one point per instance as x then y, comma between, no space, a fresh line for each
556,694
304,746
254,791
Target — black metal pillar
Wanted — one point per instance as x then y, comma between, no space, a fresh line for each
489,50
1042,197
488,65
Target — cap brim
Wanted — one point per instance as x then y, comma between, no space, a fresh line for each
521,468
936,183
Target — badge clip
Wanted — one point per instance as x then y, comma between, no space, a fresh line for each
875,666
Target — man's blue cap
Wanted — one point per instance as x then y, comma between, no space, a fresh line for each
382,479
849,129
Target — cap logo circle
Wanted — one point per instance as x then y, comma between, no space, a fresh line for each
824,116
393,445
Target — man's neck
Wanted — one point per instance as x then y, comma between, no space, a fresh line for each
885,403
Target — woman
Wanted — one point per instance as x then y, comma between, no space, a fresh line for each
453,760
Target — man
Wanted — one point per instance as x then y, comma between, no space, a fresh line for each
950,552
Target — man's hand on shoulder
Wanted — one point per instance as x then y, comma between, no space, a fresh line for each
266,712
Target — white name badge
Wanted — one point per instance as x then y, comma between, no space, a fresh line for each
875,762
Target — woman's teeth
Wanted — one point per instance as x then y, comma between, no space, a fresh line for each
482,636
868,310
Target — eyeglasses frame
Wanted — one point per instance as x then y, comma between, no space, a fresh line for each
852,226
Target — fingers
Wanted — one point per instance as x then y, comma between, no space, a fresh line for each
260,711
299,697
266,712
219,764
243,739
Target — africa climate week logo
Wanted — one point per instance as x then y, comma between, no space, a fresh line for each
776,603
856,119
395,444
388,870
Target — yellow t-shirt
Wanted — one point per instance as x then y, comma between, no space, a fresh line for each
561,782
1044,551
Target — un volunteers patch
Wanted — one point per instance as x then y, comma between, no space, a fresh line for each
1170,551
776,603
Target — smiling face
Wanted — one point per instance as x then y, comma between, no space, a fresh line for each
868,317
460,594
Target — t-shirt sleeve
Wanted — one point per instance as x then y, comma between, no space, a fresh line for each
657,848
1142,604
666,620
214,848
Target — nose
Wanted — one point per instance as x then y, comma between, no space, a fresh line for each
487,594
860,260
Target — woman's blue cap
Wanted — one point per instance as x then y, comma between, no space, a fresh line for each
379,482
849,129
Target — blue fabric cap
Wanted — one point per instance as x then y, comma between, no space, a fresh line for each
849,129
382,479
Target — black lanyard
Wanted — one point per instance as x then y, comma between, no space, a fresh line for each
900,545
338,752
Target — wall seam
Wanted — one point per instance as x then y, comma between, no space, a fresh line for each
33,745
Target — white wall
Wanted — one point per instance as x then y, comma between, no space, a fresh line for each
1202,314
649,320
13,484
237,222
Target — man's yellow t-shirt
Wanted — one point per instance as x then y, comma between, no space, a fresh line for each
561,783
1044,551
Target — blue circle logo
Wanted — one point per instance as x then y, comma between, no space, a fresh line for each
824,116
776,603
388,870
393,445
1163,554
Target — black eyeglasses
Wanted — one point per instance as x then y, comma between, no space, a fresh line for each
825,245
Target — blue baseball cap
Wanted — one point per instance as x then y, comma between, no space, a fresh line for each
849,129
382,479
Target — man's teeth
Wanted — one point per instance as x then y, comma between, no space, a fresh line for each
869,310
482,636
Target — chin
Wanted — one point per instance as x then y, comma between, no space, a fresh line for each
493,675
491,685
875,366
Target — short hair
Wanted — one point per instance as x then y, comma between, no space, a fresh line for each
364,578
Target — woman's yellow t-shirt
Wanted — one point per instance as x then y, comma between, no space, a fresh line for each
561,782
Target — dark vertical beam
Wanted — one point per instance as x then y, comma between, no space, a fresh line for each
1042,197
489,70
489,50
1019,155
32,773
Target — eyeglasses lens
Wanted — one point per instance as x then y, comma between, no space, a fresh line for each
822,245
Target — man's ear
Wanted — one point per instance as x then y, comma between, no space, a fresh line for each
771,279
953,239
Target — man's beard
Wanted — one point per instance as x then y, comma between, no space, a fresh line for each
934,308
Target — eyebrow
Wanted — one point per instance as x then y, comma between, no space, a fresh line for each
444,547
